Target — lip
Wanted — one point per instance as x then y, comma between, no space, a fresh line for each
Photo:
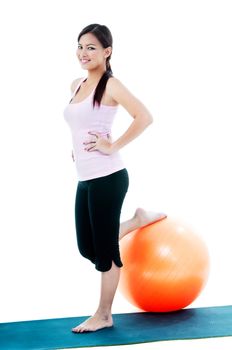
84,60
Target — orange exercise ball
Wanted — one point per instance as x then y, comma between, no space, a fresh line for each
165,266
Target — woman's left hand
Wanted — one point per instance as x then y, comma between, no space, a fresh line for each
98,143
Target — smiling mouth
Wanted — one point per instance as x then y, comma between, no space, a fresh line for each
84,61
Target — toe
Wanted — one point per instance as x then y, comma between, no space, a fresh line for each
76,329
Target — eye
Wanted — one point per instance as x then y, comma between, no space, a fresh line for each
79,47
91,48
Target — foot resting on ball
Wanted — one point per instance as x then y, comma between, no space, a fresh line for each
145,218
140,219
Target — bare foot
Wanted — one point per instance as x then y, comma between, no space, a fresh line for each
145,218
94,323
140,219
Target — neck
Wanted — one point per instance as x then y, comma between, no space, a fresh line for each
94,77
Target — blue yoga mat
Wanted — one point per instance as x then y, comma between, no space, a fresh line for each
129,328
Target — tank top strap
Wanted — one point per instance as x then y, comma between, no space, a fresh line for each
77,87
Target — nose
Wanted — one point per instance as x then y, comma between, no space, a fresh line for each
82,53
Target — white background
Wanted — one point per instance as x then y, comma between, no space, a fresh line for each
176,57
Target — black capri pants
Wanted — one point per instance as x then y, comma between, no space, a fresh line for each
97,217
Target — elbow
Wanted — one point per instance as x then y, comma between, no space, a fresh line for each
144,120
151,120
148,120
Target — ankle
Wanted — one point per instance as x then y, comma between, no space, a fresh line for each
104,313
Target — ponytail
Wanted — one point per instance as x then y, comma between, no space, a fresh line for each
100,89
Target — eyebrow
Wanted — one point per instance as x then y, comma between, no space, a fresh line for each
87,44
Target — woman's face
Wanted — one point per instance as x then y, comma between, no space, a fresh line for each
90,52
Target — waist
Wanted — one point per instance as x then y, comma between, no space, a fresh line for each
98,165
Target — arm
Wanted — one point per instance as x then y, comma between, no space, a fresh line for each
118,93
141,115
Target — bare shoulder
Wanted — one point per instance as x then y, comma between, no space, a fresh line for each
118,91
115,84
74,84
121,95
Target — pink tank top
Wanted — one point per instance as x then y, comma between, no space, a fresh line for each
82,118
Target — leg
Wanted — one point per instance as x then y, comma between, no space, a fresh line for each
82,222
141,218
106,198
103,317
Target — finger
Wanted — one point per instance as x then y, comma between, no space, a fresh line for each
94,133
90,148
89,142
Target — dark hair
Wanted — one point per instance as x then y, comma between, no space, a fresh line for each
104,36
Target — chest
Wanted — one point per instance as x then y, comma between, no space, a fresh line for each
84,116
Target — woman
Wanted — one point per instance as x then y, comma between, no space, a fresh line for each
103,178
